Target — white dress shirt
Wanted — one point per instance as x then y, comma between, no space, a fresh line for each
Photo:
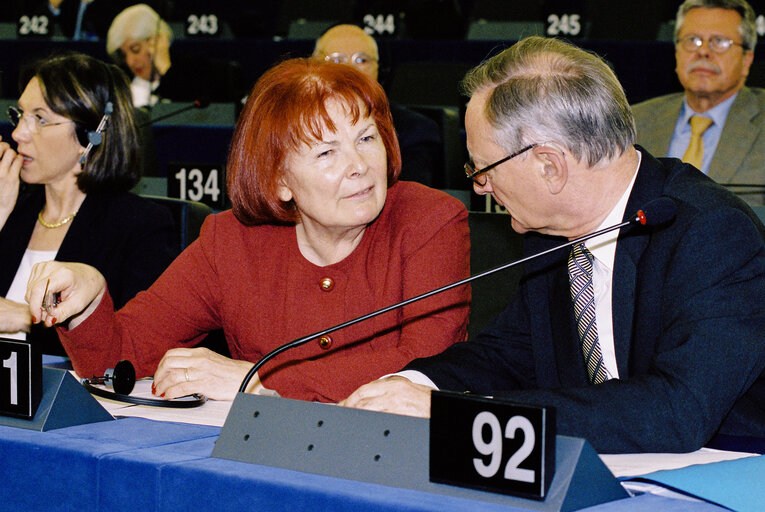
18,290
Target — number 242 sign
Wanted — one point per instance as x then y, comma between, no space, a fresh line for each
492,444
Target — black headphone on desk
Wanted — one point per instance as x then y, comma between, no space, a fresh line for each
122,379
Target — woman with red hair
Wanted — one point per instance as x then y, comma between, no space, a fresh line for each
321,231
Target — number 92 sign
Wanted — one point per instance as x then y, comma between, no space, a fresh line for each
492,444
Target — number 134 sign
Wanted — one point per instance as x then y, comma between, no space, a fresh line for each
492,444
205,183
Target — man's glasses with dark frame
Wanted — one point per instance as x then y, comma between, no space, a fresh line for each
478,176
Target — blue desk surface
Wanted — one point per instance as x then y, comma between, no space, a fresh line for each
149,465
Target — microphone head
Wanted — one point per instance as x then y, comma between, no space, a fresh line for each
122,377
95,138
656,212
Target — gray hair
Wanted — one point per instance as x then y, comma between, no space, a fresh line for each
546,90
137,22
747,28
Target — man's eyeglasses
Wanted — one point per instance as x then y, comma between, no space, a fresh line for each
478,176
717,44
357,59
34,123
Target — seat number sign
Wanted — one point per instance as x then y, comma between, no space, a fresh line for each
491,444
205,183
20,379
202,25
32,25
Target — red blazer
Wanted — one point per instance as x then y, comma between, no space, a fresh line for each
254,283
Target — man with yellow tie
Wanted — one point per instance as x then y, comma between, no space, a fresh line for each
717,124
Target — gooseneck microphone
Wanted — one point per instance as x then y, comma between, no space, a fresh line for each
656,212
201,103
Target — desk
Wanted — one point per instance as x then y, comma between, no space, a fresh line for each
158,458
141,464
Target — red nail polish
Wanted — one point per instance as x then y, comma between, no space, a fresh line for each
162,395
53,322
153,389
34,320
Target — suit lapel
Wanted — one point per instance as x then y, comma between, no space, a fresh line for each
737,138
568,354
665,124
558,360
78,244
656,123
629,249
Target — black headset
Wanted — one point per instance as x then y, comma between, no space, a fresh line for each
122,379
89,138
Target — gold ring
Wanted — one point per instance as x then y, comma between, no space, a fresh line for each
186,373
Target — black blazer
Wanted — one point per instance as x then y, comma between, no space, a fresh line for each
688,318
130,240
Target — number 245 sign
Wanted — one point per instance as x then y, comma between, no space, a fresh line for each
492,444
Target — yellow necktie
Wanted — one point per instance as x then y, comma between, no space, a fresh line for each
694,155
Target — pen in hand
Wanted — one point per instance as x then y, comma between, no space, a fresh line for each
50,302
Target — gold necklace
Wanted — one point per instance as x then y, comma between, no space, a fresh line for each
55,224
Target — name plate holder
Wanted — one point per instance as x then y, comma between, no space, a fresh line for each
492,444
388,449
51,397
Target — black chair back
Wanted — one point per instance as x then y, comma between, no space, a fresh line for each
453,152
492,243
188,217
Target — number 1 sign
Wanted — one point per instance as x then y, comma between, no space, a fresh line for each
491,444
20,379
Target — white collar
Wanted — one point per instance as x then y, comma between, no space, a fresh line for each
603,247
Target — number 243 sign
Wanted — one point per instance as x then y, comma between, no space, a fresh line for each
492,444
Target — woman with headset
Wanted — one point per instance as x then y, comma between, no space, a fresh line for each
64,191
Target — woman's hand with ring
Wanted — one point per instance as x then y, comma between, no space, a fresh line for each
184,371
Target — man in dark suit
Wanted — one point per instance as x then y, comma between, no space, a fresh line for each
418,135
715,42
667,349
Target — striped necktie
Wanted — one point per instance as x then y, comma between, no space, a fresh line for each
583,297
694,155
